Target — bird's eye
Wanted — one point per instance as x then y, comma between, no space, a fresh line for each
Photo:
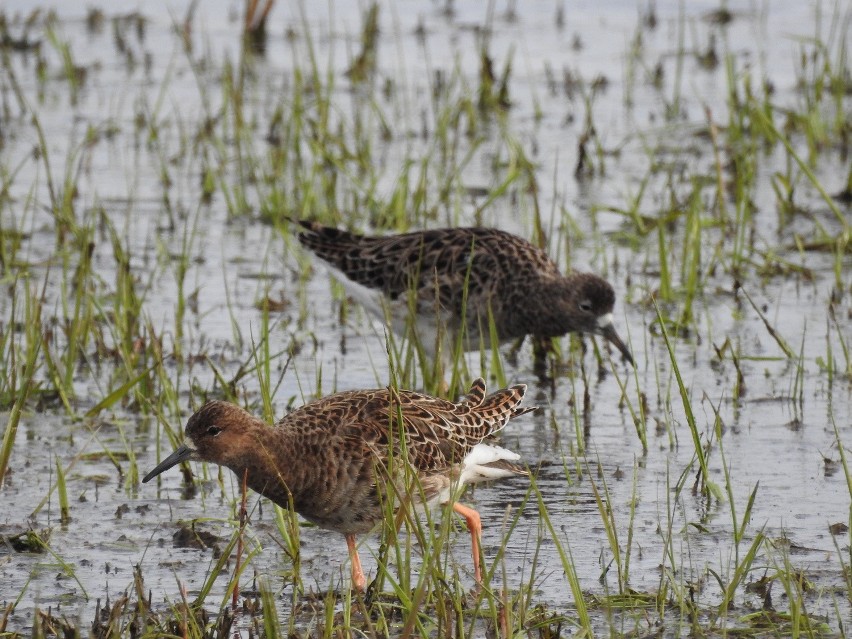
212,431
586,306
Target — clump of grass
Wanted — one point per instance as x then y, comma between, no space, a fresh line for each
584,620
363,66
703,482
22,364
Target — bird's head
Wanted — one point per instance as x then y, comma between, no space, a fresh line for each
218,432
590,300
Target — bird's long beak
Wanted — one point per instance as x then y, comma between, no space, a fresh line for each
607,329
182,454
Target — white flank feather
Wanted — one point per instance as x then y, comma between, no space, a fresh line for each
397,312
370,298
475,466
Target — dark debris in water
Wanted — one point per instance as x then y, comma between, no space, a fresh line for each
628,600
26,541
761,587
136,617
844,196
720,17
782,624
188,536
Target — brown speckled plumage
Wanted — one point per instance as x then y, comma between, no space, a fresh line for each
332,455
458,274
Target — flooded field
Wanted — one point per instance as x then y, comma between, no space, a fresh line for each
694,154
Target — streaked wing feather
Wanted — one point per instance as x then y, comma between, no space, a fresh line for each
438,433
452,265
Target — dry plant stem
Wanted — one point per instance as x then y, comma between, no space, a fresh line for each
717,161
769,328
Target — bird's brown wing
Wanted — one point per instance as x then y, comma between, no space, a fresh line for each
446,267
434,434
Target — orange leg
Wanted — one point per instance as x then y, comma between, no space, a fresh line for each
359,581
474,525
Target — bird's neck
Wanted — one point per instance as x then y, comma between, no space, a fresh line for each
267,466
545,316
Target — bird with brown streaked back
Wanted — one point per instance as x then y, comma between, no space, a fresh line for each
461,279
332,457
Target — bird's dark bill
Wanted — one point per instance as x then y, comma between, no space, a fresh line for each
612,336
182,454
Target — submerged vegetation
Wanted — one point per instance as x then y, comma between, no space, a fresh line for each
150,165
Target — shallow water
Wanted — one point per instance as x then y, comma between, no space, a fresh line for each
777,436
